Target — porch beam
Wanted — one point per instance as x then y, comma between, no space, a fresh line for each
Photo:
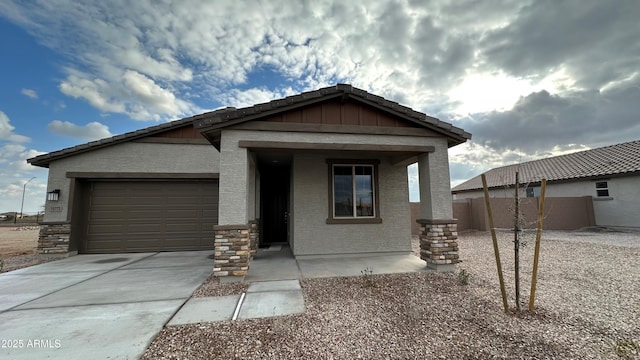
281,145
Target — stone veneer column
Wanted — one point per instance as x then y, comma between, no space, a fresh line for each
254,236
232,250
439,244
53,240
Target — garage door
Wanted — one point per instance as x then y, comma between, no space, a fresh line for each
132,216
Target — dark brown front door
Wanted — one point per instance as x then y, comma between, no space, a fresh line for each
274,193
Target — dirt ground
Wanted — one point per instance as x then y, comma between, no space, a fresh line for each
20,240
18,247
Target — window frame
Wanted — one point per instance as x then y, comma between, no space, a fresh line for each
602,189
331,218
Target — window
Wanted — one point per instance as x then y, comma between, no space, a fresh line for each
533,191
602,189
353,192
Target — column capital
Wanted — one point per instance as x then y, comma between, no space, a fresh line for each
436,221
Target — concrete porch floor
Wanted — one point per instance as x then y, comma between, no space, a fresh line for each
278,263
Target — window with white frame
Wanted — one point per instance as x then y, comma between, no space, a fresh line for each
602,188
353,192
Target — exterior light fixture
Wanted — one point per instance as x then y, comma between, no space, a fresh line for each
53,195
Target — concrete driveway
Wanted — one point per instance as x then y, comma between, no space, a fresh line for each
95,306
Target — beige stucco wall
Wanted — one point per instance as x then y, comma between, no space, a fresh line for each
127,157
621,208
313,236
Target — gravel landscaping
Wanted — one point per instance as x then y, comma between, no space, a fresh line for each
586,308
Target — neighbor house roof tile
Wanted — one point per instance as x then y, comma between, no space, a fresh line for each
614,160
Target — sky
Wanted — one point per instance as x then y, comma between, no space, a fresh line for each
529,79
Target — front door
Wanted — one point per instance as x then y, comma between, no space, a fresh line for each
274,194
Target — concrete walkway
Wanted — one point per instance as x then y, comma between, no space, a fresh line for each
95,306
274,289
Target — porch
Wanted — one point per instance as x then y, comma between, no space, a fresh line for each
278,263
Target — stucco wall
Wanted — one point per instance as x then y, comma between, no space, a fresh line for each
313,236
127,157
435,191
621,208
235,165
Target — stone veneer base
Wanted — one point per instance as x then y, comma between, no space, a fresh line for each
231,250
254,236
439,244
53,240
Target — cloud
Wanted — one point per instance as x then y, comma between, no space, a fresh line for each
249,97
29,93
14,173
6,131
77,85
135,95
527,78
541,121
152,96
595,41
89,132
180,52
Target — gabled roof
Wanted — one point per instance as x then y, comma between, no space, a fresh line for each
610,161
45,159
213,121
211,125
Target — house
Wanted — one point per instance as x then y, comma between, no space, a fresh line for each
324,171
608,176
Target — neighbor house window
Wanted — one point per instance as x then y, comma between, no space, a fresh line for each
602,189
353,192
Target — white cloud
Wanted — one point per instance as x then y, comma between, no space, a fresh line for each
77,85
14,173
29,93
147,92
91,131
243,98
135,95
6,131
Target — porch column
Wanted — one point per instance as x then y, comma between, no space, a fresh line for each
438,229
232,241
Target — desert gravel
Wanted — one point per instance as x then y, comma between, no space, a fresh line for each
213,287
588,299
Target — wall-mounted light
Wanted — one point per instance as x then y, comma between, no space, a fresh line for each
53,195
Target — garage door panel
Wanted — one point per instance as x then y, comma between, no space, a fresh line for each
133,216
186,214
97,229
105,215
182,228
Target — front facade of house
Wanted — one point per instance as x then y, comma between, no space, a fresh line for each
324,171
610,176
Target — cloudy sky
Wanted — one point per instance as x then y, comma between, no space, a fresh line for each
528,79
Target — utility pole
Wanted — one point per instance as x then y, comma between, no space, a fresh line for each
24,189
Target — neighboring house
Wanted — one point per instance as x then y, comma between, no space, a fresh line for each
324,171
610,175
